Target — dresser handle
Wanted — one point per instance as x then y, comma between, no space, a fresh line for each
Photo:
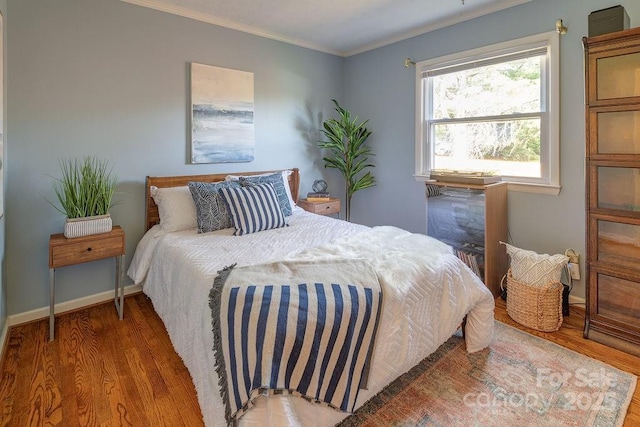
89,249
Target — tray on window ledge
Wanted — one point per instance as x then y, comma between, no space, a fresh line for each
465,177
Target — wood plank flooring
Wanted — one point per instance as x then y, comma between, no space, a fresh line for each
100,371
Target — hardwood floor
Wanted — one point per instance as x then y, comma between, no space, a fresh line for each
99,371
105,372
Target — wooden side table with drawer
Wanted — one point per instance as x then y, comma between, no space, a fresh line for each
64,252
324,207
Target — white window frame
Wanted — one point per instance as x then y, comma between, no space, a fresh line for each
549,182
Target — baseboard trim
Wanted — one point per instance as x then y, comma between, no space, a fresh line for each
40,313
576,300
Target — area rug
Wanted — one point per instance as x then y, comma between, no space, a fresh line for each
520,380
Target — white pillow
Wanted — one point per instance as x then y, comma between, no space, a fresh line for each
176,207
285,178
535,269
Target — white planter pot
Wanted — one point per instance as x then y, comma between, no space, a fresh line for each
78,227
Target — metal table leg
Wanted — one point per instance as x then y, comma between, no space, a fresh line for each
52,285
119,284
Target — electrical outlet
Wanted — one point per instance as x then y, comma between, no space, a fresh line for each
575,271
574,263
574,257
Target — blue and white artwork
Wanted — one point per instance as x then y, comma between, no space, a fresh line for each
221,115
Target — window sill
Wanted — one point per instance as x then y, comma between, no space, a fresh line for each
547,189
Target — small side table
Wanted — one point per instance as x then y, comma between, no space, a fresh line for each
64,252
324,207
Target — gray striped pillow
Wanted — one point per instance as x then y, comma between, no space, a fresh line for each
253,208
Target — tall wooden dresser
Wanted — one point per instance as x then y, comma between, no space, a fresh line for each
612,79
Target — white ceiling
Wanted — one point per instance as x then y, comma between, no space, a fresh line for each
340,27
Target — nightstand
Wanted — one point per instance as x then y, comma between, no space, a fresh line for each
64,252
328,207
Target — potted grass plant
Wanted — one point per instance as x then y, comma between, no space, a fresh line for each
85,195
348,152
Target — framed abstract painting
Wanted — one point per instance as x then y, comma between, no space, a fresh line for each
221,115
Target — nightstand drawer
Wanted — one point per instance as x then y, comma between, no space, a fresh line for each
326,208
329,207
84,249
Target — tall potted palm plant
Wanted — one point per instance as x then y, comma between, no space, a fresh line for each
348,152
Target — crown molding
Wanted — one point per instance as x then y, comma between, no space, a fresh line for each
228,23
442,24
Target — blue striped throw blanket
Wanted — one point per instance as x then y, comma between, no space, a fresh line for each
304,328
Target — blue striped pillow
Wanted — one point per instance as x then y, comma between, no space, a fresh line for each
253,208
278,182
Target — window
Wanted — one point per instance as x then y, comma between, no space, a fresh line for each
493,109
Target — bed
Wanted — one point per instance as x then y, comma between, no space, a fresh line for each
427,294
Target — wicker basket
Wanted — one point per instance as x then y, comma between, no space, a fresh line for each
537,307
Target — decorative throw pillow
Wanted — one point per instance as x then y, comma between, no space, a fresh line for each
533,268
175,208
253,208
211,211
285,179
278,182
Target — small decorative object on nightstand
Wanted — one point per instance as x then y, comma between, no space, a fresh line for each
326,207
319,186
63,252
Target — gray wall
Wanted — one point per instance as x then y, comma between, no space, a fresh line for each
380,88
110,79
3,281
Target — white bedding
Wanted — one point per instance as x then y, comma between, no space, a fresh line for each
416,317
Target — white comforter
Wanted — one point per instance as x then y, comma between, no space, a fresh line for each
427,292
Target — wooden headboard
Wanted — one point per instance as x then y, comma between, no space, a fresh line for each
151,211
